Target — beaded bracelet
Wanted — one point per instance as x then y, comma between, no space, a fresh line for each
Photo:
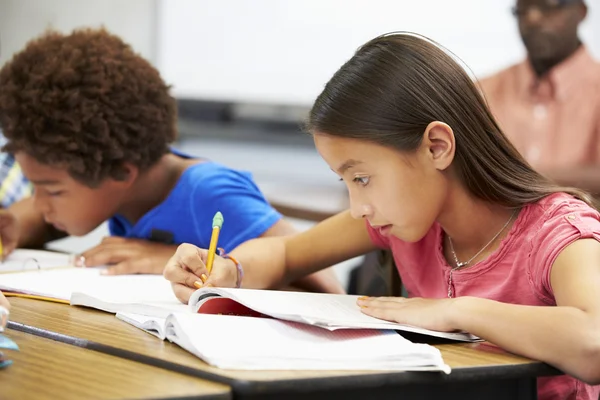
240,270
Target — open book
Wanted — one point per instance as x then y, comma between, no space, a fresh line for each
234,342
152,296
26,260
141,294
329,311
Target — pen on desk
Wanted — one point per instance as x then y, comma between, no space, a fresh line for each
1,251
217,224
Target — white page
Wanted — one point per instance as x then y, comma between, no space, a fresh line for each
143,294
331,311
26,260
274,344
152,325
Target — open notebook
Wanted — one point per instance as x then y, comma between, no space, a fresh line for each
141,294
234,342
27,260
152,296
329,311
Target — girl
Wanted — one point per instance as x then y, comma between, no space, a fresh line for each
483,243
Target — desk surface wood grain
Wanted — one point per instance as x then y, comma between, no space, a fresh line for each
47,369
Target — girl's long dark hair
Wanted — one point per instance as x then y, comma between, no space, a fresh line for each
396,84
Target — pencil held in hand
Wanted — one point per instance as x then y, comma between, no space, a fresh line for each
217,224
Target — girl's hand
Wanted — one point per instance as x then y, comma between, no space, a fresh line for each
433,314
187,271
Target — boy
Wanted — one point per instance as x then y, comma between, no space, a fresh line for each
91,122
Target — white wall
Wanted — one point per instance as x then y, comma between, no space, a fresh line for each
283,51
274,51
22,20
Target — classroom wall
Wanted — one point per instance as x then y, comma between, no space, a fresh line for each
283,51
277,52
21,20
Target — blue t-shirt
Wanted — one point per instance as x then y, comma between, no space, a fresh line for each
186,215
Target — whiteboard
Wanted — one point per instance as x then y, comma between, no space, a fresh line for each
284,51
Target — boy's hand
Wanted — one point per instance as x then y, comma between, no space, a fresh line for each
129,256
187,271
9,232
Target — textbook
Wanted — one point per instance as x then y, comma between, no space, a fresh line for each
140,294
327,311
233,342
152,296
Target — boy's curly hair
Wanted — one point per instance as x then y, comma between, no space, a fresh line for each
86,102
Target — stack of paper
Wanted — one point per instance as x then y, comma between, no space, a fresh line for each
266,344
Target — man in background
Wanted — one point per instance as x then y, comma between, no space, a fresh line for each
549,104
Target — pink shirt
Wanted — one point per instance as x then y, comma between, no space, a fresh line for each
517,272
554,121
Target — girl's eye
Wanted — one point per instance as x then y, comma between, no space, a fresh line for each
54,194
361,180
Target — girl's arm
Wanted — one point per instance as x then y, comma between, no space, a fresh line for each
273,261
566,336
324,280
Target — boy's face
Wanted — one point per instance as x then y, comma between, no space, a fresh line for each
65,202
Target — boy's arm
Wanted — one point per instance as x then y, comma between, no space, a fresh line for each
322,281
34,232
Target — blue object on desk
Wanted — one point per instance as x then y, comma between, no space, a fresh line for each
6,343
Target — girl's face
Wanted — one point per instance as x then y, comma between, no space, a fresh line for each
399,193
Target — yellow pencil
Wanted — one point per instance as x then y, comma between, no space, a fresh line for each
1,250
34,297
217,224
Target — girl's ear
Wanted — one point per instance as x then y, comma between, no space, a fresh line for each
438,140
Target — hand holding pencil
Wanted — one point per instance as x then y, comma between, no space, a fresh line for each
190,268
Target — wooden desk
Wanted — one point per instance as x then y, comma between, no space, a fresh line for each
46,369
479,370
